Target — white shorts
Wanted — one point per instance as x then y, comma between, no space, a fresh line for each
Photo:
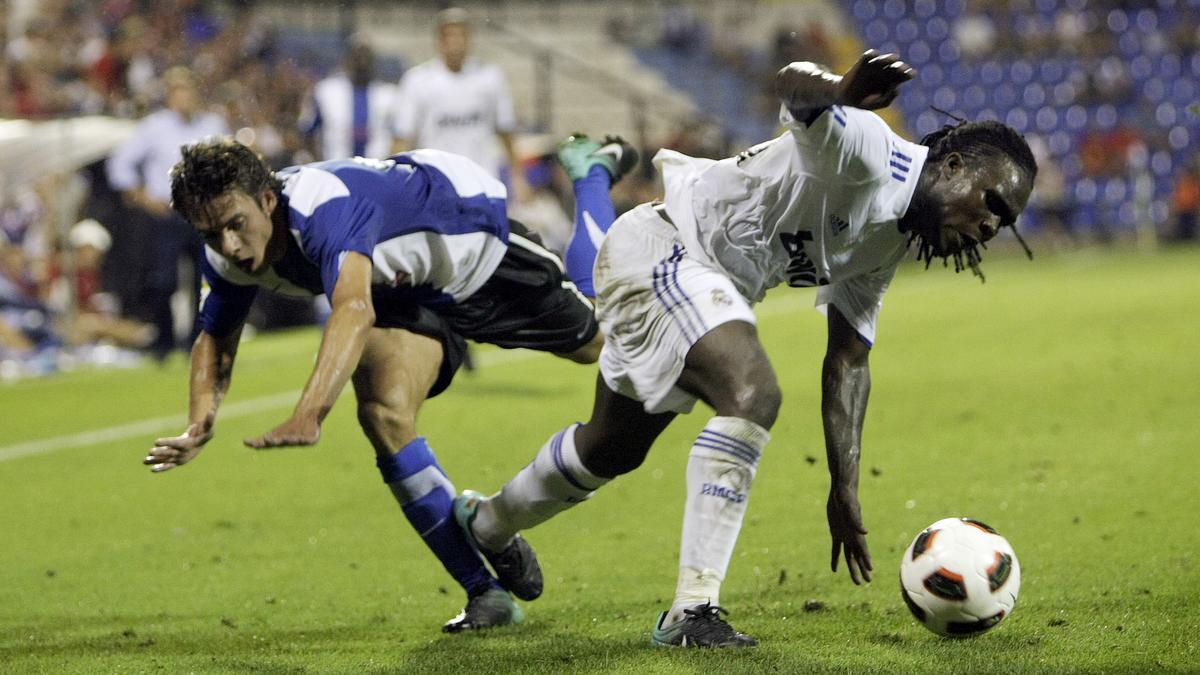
654,302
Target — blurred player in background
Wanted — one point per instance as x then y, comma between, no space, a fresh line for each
834,202
460,104
415,253
351,111
139,170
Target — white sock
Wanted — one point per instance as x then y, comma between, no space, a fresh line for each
553,482
720,469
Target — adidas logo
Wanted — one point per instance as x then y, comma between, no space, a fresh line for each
837,224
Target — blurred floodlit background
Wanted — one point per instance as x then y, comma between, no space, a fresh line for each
1105,90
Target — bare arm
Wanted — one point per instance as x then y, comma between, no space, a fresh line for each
400,145
341,348
872,83
845,386
212,371
521,189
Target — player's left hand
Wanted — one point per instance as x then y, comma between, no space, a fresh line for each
298,430
874,81
849,535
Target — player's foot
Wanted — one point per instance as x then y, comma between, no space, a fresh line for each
702,627
579,153
489,609
516,566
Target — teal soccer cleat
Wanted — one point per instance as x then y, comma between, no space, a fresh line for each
516,566
702,627
579,153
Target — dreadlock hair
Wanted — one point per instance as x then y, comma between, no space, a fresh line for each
212,167
986,138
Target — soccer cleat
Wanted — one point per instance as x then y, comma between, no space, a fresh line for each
702,627
579,153
516,566
494,607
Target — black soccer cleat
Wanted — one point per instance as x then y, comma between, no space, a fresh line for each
702,627
494,607
516,566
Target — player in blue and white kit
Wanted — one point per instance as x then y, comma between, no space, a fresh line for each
834,202
415,253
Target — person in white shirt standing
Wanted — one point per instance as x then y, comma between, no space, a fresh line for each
834,202
460,104
350,110
140,170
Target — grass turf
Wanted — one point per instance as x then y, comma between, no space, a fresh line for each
1057,403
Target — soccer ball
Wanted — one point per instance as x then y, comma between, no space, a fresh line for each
959,577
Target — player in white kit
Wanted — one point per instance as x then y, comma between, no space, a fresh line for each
834,202
458,103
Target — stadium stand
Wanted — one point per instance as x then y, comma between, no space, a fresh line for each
1105,90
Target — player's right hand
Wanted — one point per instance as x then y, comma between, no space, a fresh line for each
848,534
874,81
174,451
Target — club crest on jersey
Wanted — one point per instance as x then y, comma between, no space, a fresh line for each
728,494
837,224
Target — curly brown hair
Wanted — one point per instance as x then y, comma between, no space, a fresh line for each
213,167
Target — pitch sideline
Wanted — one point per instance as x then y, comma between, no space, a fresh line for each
166,423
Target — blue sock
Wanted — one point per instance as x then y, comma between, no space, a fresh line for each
594,214
426,495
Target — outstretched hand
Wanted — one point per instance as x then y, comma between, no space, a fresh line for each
874,81
849,535
174,451
298,430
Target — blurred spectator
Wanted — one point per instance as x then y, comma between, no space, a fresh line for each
1104,149
1050,199
975,34
459,104
89,314
350,110
1185,200
682,31
24,320
139,170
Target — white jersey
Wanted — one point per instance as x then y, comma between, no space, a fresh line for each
457,112
817,206
332,113
145,159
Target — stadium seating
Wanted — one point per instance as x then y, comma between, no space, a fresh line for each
1048,95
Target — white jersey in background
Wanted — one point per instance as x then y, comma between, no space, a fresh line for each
331,112
817,206
457,112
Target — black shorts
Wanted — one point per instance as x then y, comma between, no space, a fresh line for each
423,321
527,303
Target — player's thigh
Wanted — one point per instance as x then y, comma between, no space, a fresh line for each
395,374
662,311
619,434
729,369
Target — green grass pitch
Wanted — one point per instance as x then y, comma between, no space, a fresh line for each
1058,402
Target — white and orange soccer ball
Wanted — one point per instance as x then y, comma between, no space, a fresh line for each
959,577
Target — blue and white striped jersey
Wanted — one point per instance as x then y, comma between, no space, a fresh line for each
434,225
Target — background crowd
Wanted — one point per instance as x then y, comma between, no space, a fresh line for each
123,280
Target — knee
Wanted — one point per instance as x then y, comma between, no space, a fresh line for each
608,454
757,401
389,427
589,353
